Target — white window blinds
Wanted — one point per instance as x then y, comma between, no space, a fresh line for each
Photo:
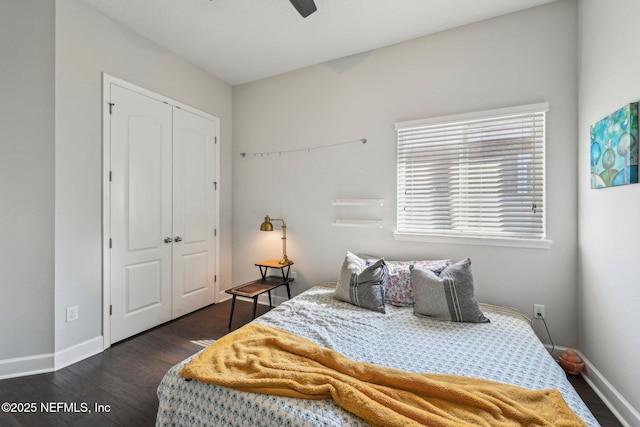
479,174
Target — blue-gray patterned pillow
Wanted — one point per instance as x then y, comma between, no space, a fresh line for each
448,296
361,284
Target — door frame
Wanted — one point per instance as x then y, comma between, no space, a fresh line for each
107,81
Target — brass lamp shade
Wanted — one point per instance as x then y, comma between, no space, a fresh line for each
268,226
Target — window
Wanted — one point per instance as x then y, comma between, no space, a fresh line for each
473,175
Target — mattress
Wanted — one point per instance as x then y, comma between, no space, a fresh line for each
505,350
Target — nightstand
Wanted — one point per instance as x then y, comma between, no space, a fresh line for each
258,287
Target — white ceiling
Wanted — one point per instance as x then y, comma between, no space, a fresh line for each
245,40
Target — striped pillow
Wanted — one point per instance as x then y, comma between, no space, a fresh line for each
449,296
361,284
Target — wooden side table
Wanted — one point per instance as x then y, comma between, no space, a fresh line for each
258,287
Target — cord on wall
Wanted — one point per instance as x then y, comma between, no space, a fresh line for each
268,153
540,316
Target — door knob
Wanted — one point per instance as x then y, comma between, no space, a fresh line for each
168,240
177,239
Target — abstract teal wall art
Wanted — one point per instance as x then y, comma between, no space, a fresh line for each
614,148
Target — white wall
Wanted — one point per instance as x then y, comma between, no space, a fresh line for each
87,44
26,178
609,226
517,59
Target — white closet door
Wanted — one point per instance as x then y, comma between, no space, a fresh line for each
194,211
141,204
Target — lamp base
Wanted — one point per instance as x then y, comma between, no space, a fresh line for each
285,261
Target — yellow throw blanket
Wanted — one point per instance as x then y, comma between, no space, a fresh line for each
261,359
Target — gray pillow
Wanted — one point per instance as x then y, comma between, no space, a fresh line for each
449,296
361,284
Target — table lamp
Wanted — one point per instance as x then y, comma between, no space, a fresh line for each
268,226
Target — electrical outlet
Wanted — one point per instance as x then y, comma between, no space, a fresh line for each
538,311
72,313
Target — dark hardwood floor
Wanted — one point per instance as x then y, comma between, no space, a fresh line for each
595,404
122,381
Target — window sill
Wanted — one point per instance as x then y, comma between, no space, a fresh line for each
481,241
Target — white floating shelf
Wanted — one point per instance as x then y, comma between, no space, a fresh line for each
366,223
358,202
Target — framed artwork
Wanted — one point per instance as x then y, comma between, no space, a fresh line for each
614,148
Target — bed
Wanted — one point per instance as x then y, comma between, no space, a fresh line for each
503,349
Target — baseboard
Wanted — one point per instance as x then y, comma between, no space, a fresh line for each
276,300
78,352
222,296
49,362
619,406
28,365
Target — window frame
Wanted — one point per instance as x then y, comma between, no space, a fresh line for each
456,237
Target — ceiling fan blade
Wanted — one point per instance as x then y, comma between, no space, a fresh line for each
304,7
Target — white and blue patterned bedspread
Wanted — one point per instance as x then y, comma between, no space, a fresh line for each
505,350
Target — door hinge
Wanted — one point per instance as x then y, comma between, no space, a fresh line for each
110,243
110,176
215,185
216,139
215,278
215,232
111,104
110,310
